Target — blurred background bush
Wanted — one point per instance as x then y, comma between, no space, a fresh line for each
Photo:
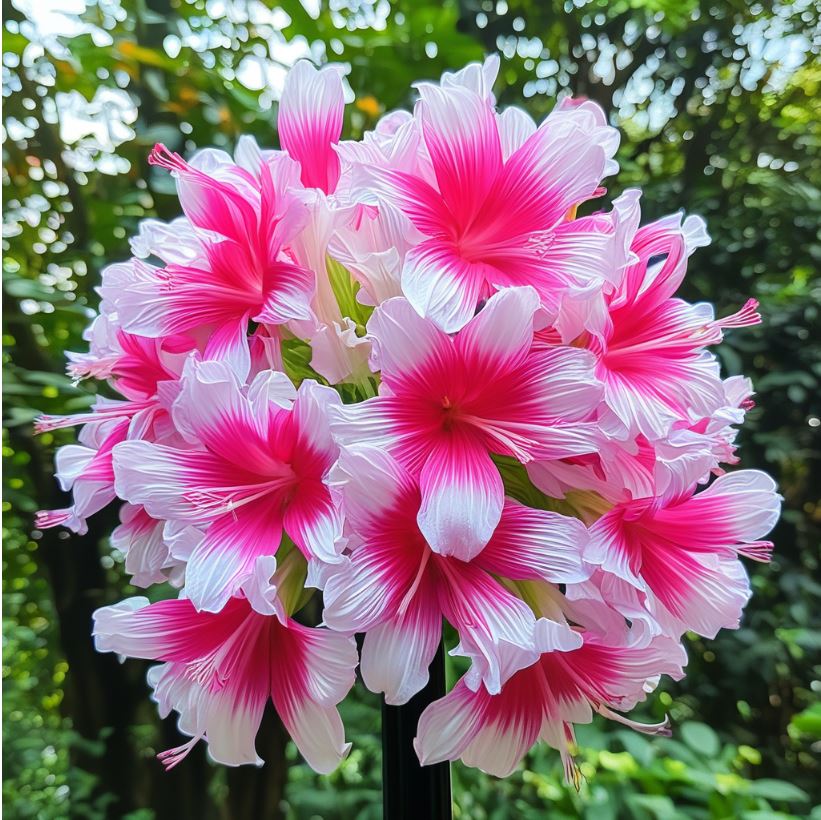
718,106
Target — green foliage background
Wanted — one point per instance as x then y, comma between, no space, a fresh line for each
718,104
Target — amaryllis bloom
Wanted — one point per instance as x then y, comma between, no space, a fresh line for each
146,376
677,556
638,468
577,674
259,468
141,370
652,346
396,589
445,403
246,214
220,669
493,200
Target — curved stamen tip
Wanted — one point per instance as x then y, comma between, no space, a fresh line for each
46,519
745,317
662,729
761,551
172,757
161,156
42,424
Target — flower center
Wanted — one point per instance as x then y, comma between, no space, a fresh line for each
449,413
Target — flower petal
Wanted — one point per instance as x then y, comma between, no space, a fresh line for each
536,544
310,122
396,654
462,497
228,552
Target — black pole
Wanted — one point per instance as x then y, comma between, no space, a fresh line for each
411,791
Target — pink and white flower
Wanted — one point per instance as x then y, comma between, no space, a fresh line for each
651,346
576,675
397,590
220,669
446,403
520,415
245,218
677,556
85,470
493,211
259,470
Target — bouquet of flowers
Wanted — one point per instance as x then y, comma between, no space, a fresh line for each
404,373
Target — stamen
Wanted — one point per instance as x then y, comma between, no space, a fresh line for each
761,551
45,424
164,158
45,519
220,500
500,431
745,317
659,729
171,757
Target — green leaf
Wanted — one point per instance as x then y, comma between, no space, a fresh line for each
700,738
771,789
808,721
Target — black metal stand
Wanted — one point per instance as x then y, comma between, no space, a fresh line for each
411,791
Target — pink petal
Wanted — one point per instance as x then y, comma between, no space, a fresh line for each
227,555
229,343
210,203
140,538
443,286
372,486
478,77
310,122
396,654
311,671
737,507
213,411
314,522
462,496
515,127
500,336
370,588
316,730
402,339
536,544
490,733
460,133
496,629
448,725
289,289
555,169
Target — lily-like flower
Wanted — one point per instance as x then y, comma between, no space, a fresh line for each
651,346
491,197
577,674
397,590
446,403
246,214
676,556
516,416
220,669
259,468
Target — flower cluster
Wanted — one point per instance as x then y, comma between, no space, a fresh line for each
404,372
